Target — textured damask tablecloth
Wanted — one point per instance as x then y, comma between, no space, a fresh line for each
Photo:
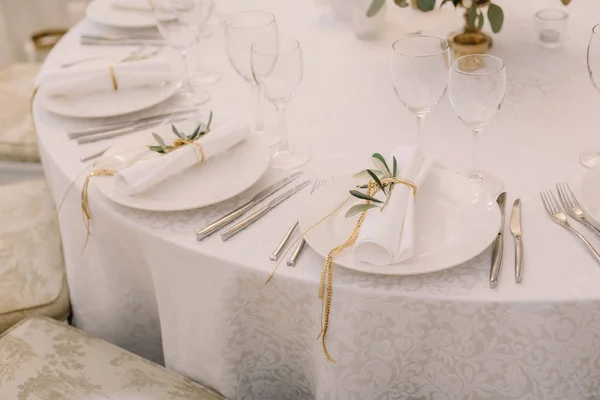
144,279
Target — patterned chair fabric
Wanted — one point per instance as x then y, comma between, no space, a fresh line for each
43,359
32,278
17,136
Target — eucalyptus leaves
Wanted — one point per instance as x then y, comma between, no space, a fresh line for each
182,138
381,171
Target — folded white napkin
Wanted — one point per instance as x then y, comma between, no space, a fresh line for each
97,78
388,237
156,167
141,5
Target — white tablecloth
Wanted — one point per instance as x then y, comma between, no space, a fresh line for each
445,335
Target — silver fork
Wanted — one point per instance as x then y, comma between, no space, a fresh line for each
291,262
571,205
554,210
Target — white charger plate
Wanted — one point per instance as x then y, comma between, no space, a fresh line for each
589,195
103,12
217,179
456,220
112,103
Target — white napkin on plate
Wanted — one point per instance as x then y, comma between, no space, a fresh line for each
154,169
97,78
140,5
388,237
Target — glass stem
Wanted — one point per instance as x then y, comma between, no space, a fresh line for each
188,76
285,146
476,173
259,127
420,125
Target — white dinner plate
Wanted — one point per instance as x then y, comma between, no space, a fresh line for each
456,220
589,195
217,179
112,103
103,12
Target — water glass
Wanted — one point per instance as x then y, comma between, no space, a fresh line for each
590,157
550,27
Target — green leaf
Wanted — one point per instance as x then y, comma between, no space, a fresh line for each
496,17
426,5
160,141
196,133
177,133
363,186
376,6
447,1
395,168
359,208
209,121
157,149
380,164
365,175
363,196
471,16
377,181
480,20
401,3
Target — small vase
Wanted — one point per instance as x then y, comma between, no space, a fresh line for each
367,28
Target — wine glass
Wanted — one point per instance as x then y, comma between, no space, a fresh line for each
181,22
242,29
278,68
419,68
590,157
476,88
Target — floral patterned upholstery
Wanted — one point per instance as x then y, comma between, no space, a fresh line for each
32,278
17,136
43,359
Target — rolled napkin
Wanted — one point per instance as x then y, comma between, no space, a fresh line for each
388,237
99,78
138,5
156,167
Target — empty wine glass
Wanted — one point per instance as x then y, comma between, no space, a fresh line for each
476,88
278,68
181,22
242,29
419,67
590,157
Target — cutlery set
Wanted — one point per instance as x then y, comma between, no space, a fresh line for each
245,208
498,250
567,202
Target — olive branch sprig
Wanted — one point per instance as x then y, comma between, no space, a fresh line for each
163,148
381,171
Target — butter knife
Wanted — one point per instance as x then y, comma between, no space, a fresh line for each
244,208
515,228
122,124
124,130
498,244
246,222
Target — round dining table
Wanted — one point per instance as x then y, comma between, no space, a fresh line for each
203,308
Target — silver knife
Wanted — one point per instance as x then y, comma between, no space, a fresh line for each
498,244
244,208
246,222
122,42
122,124
138,36
123,131
515,228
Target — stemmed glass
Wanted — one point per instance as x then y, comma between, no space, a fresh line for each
590,157
419,67
181,22
476,88
278,68
242,29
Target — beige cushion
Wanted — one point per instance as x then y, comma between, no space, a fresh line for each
17,134
42,359
32,278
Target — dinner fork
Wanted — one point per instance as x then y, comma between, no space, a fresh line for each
291,262
554,210
572,206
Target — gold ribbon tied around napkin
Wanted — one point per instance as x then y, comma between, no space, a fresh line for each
326,283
